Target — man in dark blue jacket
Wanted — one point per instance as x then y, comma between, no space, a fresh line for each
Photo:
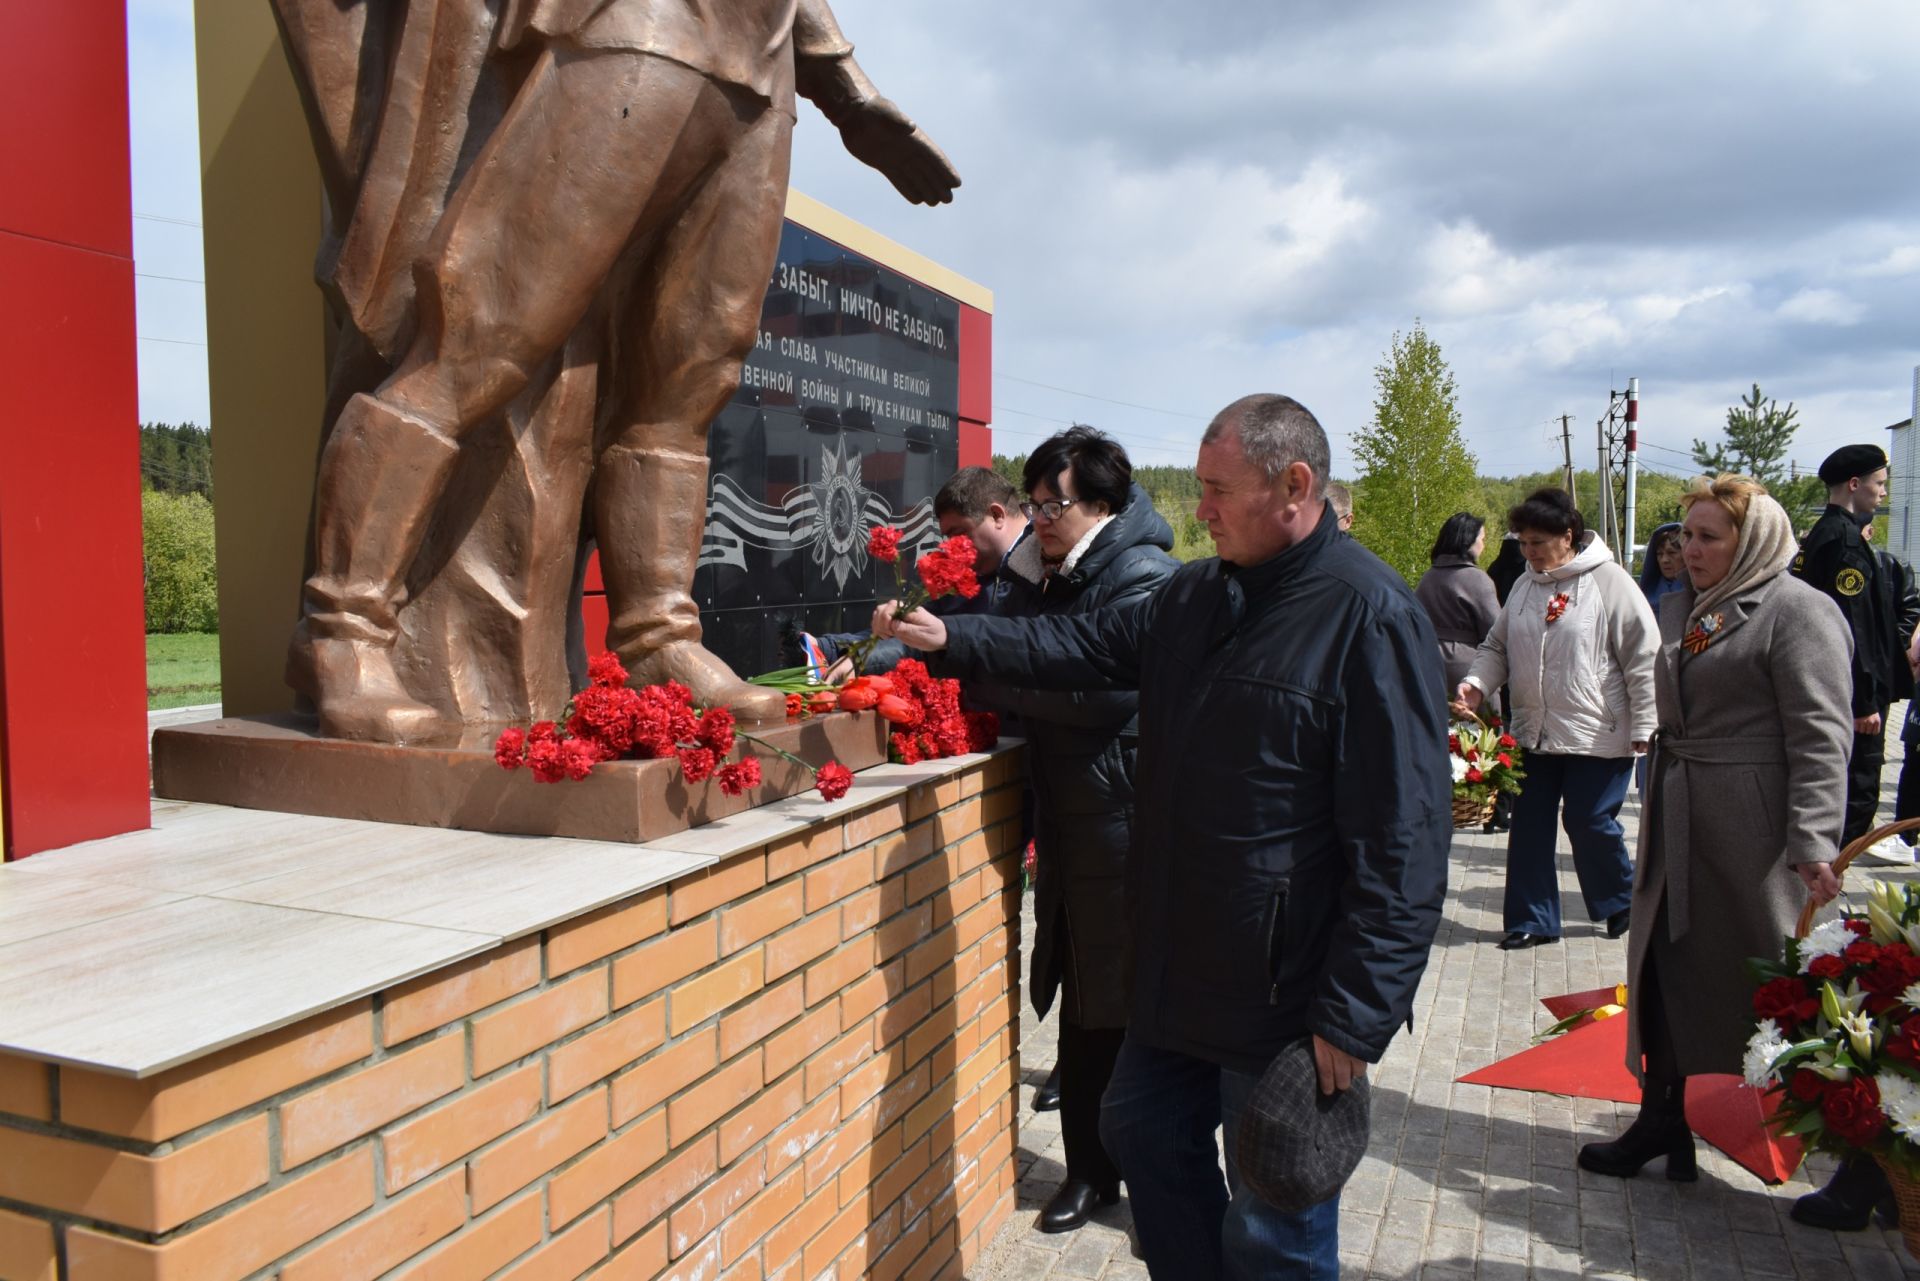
1292,819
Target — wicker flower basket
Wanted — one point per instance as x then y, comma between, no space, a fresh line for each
1906,1195
1906,1191
1471,812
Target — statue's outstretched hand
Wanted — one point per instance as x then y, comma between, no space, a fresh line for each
879,134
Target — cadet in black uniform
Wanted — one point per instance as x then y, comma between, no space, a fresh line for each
1835,558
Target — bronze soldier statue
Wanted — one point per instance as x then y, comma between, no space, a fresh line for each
618,163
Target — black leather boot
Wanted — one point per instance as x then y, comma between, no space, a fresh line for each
1659,1130
1047,1097
1073,1204
1847,1203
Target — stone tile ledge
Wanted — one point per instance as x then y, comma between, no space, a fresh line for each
140,952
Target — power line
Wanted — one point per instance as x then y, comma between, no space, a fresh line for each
185,280
178,342
1168,444
1105,400
178,222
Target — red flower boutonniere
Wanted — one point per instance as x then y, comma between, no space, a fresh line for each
1558,606
1703,633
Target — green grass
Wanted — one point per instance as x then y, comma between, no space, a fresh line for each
182,669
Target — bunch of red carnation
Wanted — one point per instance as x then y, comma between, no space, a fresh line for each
1838,1030
925,711
609,720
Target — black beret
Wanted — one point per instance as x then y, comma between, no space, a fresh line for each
1848,461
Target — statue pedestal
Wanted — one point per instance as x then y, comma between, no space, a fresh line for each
282,763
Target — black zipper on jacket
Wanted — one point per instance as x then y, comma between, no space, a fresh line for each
1276,937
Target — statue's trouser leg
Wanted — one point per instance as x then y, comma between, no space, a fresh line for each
522,251
695,312
368,524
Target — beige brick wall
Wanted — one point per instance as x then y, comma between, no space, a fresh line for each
798,1063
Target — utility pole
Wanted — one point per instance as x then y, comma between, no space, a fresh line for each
1566,450
1633,471
1605,478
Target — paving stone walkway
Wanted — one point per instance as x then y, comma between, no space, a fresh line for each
1466,1181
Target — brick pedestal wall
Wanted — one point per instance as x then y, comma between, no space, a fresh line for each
798,1063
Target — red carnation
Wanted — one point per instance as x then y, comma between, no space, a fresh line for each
605,670
983,731
1807,1085
1475,776
833,779
1826,967
1453,742
544,759
1903,1042
1861,952
739,776
906,747
949,568
696,764
716,730
1505,760
543,730
1786,1001
578,757
1507,740
510,749
1858,925
883,543
1851,1110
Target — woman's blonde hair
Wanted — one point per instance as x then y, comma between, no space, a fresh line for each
1733,492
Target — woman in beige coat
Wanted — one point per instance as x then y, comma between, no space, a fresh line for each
1749,783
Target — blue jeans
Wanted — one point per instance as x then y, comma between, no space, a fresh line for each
1584,793
1157,1121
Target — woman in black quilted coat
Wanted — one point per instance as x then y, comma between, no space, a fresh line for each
1096,541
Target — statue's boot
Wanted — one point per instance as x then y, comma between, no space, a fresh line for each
649,516
381,478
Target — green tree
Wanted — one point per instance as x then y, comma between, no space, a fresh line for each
177,458
176,532
1758,435
1415,468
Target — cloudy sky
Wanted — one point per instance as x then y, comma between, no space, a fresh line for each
1178,204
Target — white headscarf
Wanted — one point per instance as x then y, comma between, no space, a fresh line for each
1765,549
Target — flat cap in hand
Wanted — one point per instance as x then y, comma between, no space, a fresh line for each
1296,1146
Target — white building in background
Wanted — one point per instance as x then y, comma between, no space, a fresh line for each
1903,492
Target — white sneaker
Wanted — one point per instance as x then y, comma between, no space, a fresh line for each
1890,850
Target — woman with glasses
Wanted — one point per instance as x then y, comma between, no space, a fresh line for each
1096,541
1575,645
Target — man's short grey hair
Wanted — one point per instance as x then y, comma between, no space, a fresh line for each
1275,432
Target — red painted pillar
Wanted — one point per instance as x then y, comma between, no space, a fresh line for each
976,387
73,762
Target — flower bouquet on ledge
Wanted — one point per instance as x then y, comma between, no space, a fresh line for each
609,720
1838,1039
1486,762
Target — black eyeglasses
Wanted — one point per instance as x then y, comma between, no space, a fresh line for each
1051,509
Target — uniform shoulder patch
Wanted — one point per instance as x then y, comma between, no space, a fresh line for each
1849,582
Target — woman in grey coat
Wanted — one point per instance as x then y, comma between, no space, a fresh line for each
1457,594
1749,784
